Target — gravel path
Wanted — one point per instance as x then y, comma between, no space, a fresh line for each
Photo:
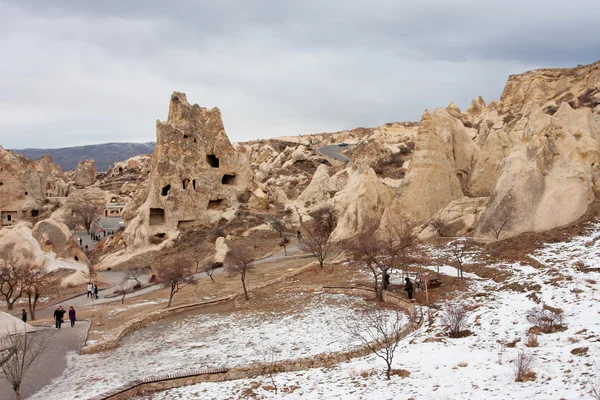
53,361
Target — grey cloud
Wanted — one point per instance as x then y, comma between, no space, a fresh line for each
87,72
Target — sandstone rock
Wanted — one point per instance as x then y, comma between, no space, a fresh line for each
549,180
221,249
431,181
259,200
195,176
458,218
54,236
19,243
21,188
362,198
85,174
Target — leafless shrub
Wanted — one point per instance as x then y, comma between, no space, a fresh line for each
84,211
175,276
23,351
522,367
238,261
459,250
532,340
379,330
439,225
498,225
36,282
547,319
594,384
454,319
316,234
12,274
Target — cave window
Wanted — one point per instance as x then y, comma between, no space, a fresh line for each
157,216
9,217
76,258
195,141
120,169
215,204
228,179
1,183
26,193
185,183
165,190
212,160
35,213
194,184
185,136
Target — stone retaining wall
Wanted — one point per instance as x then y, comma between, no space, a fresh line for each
253,370
112,339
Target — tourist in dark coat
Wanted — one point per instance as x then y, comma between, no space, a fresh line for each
59,313
386,281
408,286
72,316
96,291
24,315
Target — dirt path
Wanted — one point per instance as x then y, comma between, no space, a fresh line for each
53,361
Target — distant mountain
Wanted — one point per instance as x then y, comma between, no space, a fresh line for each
104,155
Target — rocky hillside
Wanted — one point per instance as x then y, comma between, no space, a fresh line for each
104,155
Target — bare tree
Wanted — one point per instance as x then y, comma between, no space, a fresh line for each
316,237
497,227
23,350
454,319
278,227
459,250
384,245
12,272
210,267
176,275
134,273
85,212
238,261
124,289
284,242
379,330
36,283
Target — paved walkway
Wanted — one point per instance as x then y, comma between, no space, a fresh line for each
53,361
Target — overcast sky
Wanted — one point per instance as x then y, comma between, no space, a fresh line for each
84,72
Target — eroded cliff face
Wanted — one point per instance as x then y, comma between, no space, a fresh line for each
196,175
535,154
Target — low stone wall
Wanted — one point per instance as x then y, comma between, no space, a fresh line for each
113,338
253,370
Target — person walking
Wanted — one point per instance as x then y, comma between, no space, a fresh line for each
24,315
90,288
408,286
96,291
59,313
72,316
386,281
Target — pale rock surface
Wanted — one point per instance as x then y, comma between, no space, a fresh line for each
459,216
85,174
54,236
259,200
364,197
550,179
195,176
431,181
221,249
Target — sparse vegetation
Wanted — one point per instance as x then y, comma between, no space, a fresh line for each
547,319
316,234
239,262
176,275
454,319
23,351
522,367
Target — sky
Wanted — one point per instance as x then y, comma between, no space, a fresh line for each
85,72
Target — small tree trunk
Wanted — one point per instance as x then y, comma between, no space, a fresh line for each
388,370
9,305
285,250
18,394
244,285
211,278
123,298
171,295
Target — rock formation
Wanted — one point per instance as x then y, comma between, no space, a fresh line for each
54,236
85,174
196,175
21,188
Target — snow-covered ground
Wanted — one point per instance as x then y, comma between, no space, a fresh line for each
209,340
479,366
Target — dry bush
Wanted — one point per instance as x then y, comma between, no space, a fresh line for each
532,340
454,319
522,366
580,351
547,319
402,373
513,343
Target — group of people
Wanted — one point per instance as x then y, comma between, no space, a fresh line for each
59,315
408,285
92,290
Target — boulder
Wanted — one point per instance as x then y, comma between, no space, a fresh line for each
259,200
221,249
458,218
54,236
85,174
